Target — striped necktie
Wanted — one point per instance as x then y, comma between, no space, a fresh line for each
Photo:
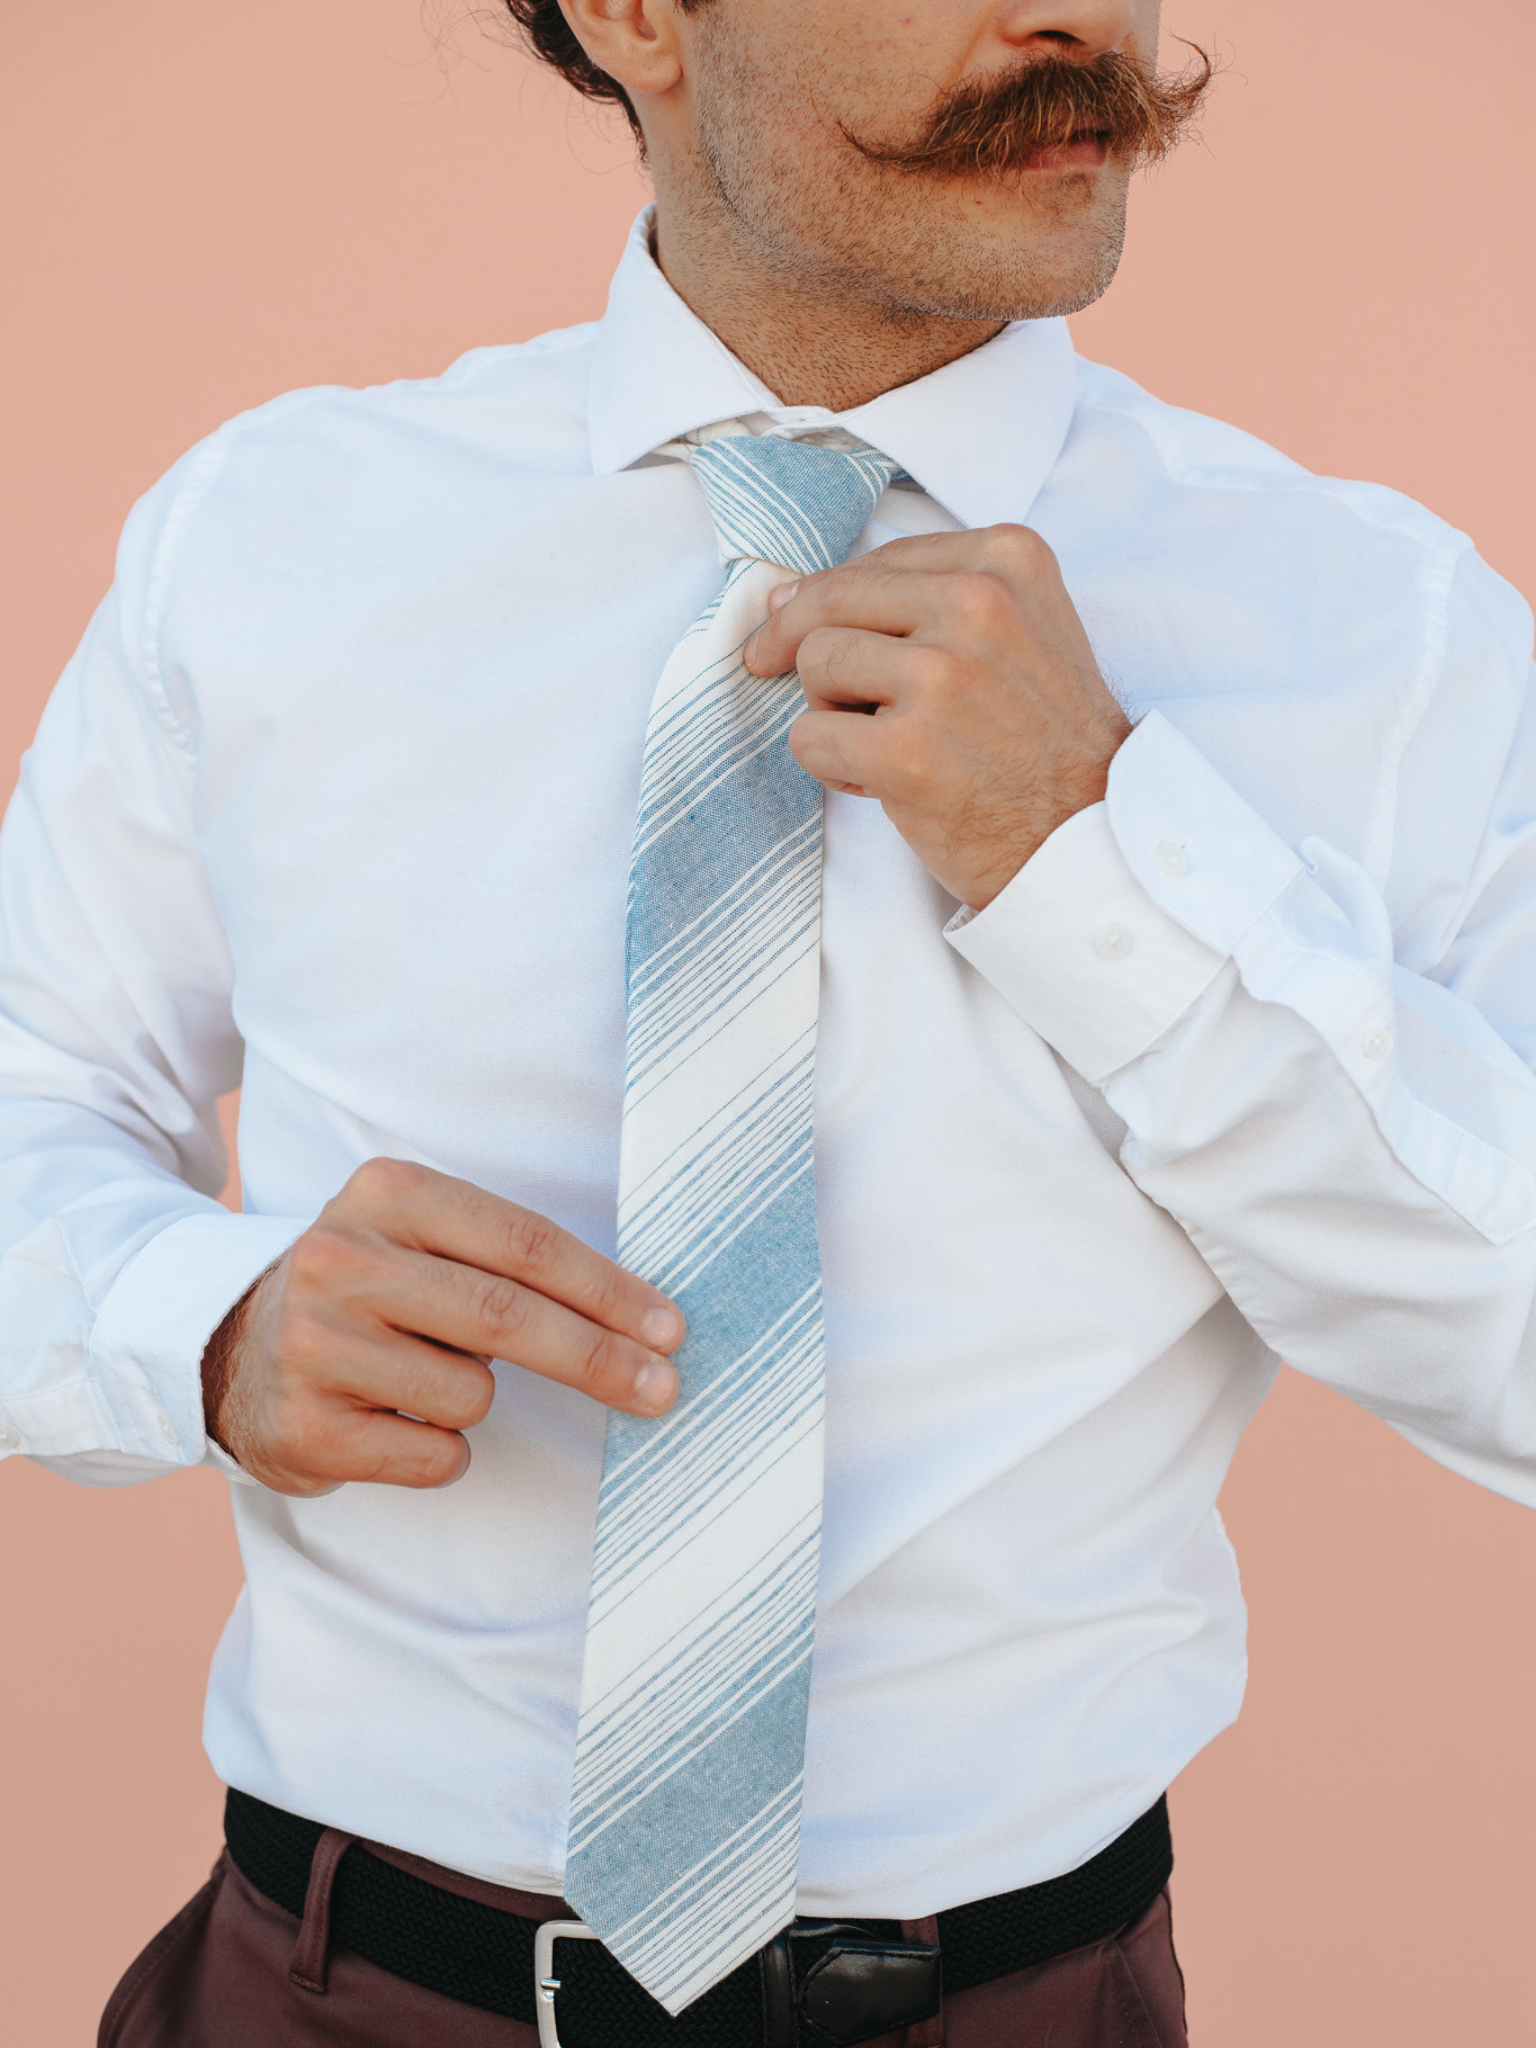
685,1815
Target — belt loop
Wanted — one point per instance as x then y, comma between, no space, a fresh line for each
925,2033
777,1977
308,1967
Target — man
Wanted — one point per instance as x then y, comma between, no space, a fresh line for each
1147,1033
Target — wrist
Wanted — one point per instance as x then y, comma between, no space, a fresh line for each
1049,811
221,1363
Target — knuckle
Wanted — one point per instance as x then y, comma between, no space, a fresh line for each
613,1297
381,1182
437,1464
322,1256
501,1306
817,650
478,1394
467,1399
979,595
532,1242
1017,544
604,1364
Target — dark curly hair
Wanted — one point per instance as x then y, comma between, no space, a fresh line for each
548,34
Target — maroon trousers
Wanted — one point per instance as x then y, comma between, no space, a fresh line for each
233,1970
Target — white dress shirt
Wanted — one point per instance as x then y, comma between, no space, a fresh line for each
337,798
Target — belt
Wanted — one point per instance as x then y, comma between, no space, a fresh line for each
820,1984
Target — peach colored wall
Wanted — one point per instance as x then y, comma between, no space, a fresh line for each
207,203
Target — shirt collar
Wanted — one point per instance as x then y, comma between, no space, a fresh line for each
980,435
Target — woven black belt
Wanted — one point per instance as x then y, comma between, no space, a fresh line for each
824,1985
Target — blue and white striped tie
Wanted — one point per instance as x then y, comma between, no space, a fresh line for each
685,1816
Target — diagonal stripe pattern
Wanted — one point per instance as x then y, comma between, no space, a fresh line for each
685,1812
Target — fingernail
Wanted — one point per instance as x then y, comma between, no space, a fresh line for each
662,1329
654,1388
777,599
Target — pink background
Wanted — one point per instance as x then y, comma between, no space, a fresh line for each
210,202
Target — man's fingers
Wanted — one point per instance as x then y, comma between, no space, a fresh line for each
415,1376
364,1354
905,587
472,1311
347,1444
453,1219
875,598
839,750
298,1438
845,665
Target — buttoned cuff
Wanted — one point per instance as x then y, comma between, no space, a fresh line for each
1125,916
154,1324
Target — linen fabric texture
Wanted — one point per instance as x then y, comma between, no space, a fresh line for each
684,1842
338,798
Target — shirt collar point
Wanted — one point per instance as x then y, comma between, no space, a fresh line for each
658,373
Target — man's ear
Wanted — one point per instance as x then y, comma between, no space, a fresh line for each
635,41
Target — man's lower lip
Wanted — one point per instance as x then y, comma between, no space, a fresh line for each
1084,151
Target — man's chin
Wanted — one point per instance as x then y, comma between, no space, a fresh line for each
1064,299
1026,291
1034,261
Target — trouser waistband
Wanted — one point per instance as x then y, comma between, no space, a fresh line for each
821,1984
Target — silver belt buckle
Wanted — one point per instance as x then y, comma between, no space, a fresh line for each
545,1982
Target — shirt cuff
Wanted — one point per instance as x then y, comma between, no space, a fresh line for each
1124,917
154,1324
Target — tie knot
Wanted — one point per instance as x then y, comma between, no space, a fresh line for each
789,502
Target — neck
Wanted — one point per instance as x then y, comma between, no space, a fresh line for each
812,339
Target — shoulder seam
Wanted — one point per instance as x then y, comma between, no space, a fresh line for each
1449,544
556,341
1197,476
203,466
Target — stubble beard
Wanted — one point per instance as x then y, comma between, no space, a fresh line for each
1061,256
897,241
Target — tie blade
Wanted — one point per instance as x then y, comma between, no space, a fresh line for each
684,1826
685,1814
723,1833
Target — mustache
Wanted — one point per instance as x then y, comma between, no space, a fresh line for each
998,124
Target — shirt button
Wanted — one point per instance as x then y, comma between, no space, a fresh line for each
1172,860
169,1430
1376,1044
1113,941
9,1440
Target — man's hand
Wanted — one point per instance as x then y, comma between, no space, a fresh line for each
365,1352
991,723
